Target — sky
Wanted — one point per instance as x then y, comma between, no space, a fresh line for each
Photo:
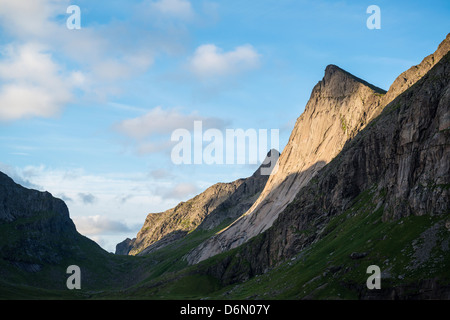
88,113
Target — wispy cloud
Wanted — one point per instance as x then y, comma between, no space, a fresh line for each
160,174
64,197
19,176
163,121
87,198
33,19
176,8
29,76
151,132
96,225
210,61
45,55
180,191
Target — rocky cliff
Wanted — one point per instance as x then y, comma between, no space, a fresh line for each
31,221
340,106
368,186
397,166
217,204
38,241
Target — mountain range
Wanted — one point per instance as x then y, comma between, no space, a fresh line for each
364,180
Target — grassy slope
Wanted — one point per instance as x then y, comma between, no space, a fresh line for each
326,271
323,271
168,274
53,254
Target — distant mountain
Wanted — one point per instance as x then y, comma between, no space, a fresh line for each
218,205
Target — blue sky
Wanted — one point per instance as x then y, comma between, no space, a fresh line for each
87,114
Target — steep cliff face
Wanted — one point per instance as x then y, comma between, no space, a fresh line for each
398,167
404,155
123,248
19,202
30,221
217,204
38,241
340,106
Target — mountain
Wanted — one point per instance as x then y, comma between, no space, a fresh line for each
340,106
39,219
368,186
364,181
383,200
415,73
39,241
219,204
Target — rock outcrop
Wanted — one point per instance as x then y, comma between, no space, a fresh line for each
402,158
39,241
36,220
18,202
340,106
37,233
415,73
125,247
217,204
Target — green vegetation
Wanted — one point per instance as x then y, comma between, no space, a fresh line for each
325,270
343,124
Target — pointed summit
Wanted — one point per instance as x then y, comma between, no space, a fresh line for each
206,211
338,83
333,71
340,106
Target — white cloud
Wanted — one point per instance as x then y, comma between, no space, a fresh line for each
146,147
35,84
19,176
156,121
31,19
151,131
96,225
176,8
87,198
161,121
29,77
210,61
160,174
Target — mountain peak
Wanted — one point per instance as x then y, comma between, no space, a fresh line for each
335,75
338,83
340,106
332,68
